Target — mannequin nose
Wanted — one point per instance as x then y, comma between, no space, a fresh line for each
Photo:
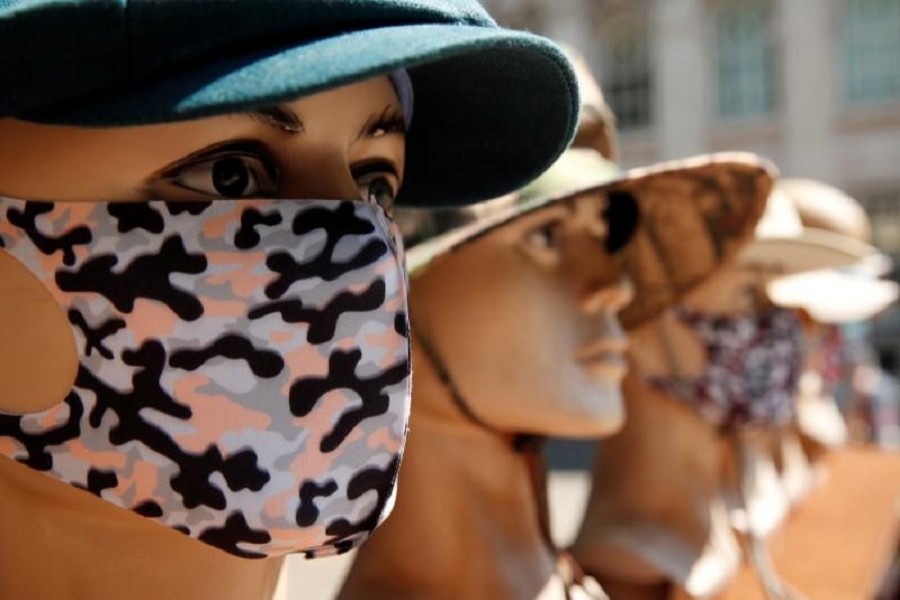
332,181
610,298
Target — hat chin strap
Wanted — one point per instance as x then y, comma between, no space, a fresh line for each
529,446
443,374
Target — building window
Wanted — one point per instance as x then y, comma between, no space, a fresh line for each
626,70
746,55
884,213
870,39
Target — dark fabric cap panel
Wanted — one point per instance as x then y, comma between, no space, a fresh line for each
448,112
57,51
66,49
493,107
244,26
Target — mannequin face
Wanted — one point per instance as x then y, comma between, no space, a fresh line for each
326,146
346,143
524,319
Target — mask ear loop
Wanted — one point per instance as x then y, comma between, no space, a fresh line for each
449,385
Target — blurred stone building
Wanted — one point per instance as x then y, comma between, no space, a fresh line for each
814,85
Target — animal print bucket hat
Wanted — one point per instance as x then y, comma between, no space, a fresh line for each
675,222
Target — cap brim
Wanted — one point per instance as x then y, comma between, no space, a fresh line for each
703,208
833,296
493,108
811,250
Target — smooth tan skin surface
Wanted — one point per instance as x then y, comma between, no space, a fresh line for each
338,144
535,297
655,513
464,525
59,542
326,160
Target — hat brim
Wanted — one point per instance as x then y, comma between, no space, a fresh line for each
475,87
811,250
714,201
831,296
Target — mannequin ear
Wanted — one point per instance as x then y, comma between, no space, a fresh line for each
38,358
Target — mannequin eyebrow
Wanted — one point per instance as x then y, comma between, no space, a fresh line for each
281,118
390,119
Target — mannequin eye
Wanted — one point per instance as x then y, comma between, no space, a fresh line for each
546,237
225,174
378,183
543,244
378,191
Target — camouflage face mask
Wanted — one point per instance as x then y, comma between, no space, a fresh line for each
243,372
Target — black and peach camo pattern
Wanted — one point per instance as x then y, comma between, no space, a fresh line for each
244,365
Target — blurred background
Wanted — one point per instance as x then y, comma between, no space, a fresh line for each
814,85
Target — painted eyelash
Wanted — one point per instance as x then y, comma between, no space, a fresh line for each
268,117
248,149
388,122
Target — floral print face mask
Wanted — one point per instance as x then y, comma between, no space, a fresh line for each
753,367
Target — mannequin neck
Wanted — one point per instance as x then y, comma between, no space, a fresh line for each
655,512
102,552
464,525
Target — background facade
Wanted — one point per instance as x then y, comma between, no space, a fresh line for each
814,85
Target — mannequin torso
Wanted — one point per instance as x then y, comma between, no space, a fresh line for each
655,514
466,520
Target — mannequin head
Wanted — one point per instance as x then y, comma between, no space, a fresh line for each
548,270
655,511
110,187
102,118
346,143
745,372
524,319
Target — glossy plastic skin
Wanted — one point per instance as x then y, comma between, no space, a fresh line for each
656,523
330,145
537,296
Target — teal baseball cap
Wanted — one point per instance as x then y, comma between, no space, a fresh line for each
108,63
